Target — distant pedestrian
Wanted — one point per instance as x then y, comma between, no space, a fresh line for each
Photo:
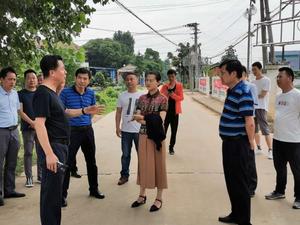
286,139
237,132
9,134
40,78
151,112
263,85
129,131
174,92
27,125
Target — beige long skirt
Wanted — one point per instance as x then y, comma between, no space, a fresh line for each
152,171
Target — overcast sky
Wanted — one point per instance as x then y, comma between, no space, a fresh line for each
221,22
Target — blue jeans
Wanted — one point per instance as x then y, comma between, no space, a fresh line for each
126,142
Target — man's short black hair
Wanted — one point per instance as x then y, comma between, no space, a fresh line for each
257,64
83,70
29,71
171,71
157,75
6,70
233,65
244,69
130,73
49,62
288,72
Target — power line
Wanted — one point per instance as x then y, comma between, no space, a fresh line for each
124,7
166,7
245,35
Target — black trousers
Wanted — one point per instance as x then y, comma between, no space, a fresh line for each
172,120
252,172
283,153
83,138
51,187
236,171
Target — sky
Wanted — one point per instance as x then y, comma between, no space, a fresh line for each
221,23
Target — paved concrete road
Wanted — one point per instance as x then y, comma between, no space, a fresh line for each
196,194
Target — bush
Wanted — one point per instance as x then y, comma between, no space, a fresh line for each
108,97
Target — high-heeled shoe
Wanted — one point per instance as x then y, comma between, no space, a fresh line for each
154,207
137,203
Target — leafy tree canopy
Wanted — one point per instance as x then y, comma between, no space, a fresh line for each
24,23
125,38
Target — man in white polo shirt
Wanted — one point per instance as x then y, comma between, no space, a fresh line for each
286,142
263,85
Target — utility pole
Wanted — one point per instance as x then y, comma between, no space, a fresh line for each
195,28
270,33
263,34
250,11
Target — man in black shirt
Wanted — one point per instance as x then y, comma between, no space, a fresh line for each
53,133
27,125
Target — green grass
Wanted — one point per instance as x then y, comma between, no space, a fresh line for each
109,98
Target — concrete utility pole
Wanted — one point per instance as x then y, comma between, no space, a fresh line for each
263,34
270,33
250,12
195,28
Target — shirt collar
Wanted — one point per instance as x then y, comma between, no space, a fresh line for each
236,86
154,95
3,91
74,89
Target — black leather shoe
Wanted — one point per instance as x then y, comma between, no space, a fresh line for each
227,219
97,194
122,180
1,201
75,174
137,204
14,195
154,208
64,202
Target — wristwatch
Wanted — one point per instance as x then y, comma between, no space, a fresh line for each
82,110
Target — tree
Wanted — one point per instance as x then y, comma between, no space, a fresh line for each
150,54
126,39
73,56
24,23
107,53
229,54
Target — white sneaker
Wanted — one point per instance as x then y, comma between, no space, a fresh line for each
29,182
270,154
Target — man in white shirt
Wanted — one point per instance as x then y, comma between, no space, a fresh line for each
129,131
286,140
263,85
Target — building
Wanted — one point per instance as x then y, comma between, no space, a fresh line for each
292,58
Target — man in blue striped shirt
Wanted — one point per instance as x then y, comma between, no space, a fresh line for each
80,96
237,132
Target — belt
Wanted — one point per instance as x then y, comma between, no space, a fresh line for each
74,128
60,141
10,128
233,138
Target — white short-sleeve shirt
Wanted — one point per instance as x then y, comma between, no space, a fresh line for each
287,117
128,101
263,84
